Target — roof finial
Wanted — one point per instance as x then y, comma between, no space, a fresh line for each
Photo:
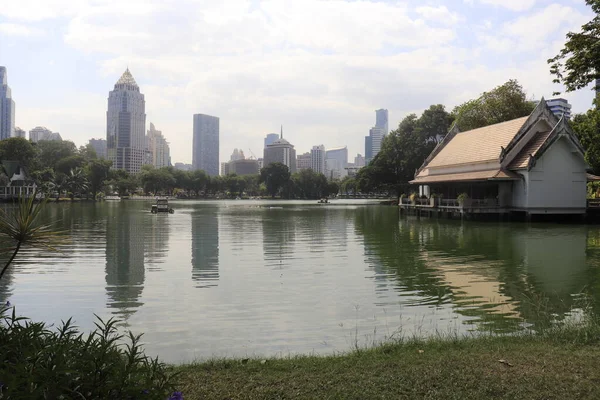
281,131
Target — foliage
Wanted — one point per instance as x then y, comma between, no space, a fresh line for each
51,152
587,128
310,185
18,149
122,182
503,103
462,197
97,172
22,227
76,181
275,176
578,62
39,363
156,180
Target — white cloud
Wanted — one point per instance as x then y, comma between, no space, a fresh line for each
19,30
514,5
439,14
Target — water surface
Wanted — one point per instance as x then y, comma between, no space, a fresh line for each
250,278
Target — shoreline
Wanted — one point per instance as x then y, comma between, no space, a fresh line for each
559,364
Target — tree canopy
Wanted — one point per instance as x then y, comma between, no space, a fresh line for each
587,128
578,63
275,176
503,103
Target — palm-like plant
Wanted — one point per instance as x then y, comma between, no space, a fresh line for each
77,181
23,227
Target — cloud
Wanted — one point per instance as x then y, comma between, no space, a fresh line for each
37,10
19,30
513,5
439,14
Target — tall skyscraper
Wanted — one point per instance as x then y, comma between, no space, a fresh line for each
359,161
317,159
205,155
381,120
99,145
376,135
238,154
336,162
158,148
270,138
7,107
559,107
280,151
126,125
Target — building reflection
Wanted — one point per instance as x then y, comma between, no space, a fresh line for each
125,272
205,248
279,235
494,274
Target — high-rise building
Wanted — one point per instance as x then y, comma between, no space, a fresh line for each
381,120
158,148
183,167
206,144
317,159
99,145
280,151
224,168
243,167
42,133
376,135
270,138
559,107
303,161
359,161
237,155
7,107
126,125
336,162
20,132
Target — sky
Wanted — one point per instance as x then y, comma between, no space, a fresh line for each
320,68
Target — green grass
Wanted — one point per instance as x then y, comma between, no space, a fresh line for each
560,364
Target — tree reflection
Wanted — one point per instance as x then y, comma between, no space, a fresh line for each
205,248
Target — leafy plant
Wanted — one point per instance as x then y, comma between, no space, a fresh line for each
23,227
462,197
413,197
39,363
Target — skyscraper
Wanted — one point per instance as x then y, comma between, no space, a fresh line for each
270,138
42,133
359,161
280,151
381,120
205,155
158,148
126,125
99,145
559,107
317,159
303,161
20,133
7,107
336,162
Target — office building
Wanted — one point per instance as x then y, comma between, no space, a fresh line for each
336,162
237,155
559,107
20,133
158,147
280,151
205,152
126,125
303,161
183,166
317,159
224,168
270,138
359,161
243,167
381,120
7,107
40,133
99,146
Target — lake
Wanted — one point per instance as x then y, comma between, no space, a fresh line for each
259,278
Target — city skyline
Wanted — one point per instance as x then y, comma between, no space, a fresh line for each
60,61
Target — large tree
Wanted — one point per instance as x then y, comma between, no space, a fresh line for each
587,128
309,185
275,176
51,152
503,103
578,62
18,149
97,172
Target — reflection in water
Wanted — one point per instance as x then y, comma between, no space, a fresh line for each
279,235
205,248
124,260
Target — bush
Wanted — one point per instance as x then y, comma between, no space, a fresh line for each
39,363
462,197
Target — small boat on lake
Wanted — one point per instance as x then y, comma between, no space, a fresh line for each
323,201
161,206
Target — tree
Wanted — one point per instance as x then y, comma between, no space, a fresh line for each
503,103
18,149
309,185
52,151
97,173
76,182
88,152
434,123
122,181
156,180
275,176
198,181
65,165
587,128
578,62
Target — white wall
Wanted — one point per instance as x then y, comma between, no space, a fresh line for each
558,179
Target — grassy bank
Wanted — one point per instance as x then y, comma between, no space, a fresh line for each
561,364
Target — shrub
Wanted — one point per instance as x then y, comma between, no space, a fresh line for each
413,197
39,363
462,197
